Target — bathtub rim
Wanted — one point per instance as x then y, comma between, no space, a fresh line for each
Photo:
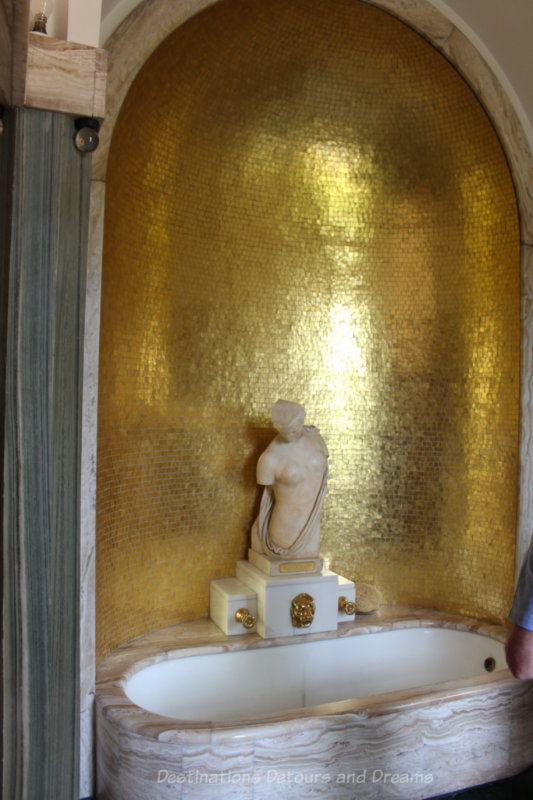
204,637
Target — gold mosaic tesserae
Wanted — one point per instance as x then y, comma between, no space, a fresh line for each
305,200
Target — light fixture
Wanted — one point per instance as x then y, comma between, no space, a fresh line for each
86,136
41,17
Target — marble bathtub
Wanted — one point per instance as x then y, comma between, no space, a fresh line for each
429,717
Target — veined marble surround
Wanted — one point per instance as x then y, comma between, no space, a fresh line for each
128,49
435,738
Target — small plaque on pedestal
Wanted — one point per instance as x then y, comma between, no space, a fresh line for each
271,565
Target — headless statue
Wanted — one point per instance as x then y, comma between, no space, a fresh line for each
293,469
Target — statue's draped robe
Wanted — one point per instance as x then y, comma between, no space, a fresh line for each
261,540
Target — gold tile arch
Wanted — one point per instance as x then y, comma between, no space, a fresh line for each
305,200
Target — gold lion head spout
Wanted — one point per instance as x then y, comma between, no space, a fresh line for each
302,610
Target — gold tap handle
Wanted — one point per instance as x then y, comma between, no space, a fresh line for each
246,619
348,606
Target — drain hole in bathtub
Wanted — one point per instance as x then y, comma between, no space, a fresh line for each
490,664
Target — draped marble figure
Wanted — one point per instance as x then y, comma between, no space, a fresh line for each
293,469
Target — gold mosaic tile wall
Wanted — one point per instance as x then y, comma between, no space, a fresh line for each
306,201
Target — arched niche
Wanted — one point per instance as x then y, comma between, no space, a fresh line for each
129,48
122,70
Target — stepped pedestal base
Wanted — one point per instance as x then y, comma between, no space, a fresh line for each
283,603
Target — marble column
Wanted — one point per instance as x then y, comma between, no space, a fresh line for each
44,198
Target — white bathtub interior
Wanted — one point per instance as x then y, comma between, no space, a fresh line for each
261,680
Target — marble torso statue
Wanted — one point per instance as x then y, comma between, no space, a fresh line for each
293,469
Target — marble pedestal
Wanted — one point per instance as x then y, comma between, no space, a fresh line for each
267,594
227,596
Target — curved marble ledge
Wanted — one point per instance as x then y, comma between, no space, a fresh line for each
203,635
